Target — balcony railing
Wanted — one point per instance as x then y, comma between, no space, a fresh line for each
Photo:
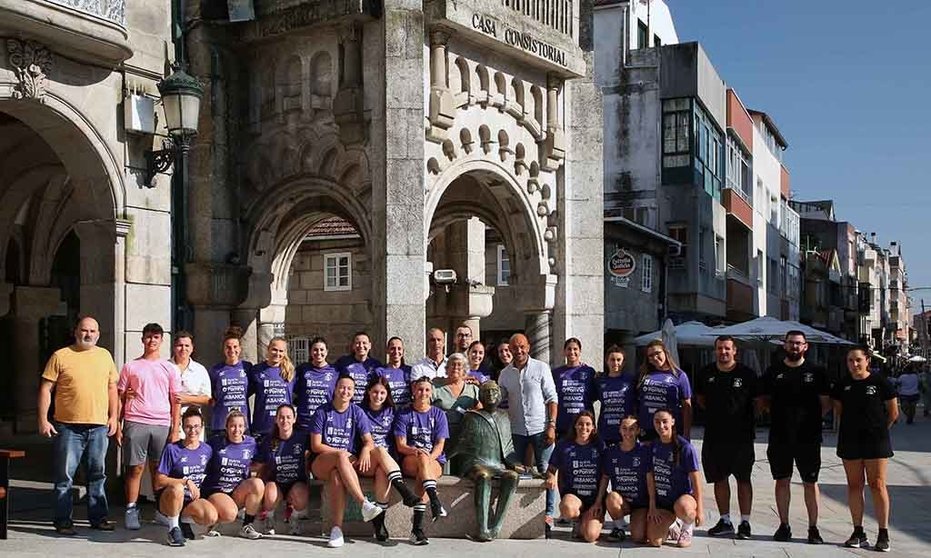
556,14
110,10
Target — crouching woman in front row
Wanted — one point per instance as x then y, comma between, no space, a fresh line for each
673,484
229,485
575,467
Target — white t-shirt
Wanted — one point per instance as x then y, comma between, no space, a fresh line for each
426,367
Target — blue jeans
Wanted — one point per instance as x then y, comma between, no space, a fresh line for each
74,444
541,455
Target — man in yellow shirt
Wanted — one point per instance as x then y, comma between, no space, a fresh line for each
83,378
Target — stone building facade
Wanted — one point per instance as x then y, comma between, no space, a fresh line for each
426,125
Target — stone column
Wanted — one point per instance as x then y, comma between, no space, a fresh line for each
442,109
348,105
554,146
393,55
99,270
247,319
538,328
30,305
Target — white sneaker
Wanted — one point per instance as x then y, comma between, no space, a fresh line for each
212,532
248,532
294,525
132,519
161,518
370,511
336,538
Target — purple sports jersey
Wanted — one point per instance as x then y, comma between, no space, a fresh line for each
229,464
313,387
380,423
285,460
178,462
574,389
478,375
360,372
618,400
423,430
671,478
271,390
579,467
399,380
229,385
340,430
627,471
662,390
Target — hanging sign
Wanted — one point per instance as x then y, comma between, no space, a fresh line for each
621,265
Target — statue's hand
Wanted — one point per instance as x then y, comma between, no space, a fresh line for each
520,468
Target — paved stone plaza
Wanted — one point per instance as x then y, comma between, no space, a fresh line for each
31,533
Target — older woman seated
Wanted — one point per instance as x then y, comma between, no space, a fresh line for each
456,397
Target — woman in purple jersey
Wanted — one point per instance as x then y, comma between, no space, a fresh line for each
314,383
476,362
335,433
358,364
625,466
616,391
574,385
674,485
177,482
229,383
575,467
229,484
272,383
662,385
282,464
420,433
397,374
379,410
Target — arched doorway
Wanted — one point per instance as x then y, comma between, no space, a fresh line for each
484,226
58,243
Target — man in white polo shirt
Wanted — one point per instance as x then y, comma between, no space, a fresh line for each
195,381
432,366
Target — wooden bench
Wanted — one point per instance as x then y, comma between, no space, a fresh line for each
5,457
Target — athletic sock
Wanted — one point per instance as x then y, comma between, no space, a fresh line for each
248,519
419,511
726,517
686,526
429,486
884,533
745,518
393,476
382,505
130,505
173,522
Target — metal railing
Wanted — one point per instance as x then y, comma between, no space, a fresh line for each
556,14
110,10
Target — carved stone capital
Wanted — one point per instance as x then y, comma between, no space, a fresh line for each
32,62
350,31
439,35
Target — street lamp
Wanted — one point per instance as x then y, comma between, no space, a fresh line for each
181,94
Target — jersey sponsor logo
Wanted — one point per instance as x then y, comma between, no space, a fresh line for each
738,382
635,462
246,454
203,459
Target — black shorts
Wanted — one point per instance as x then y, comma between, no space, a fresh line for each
633,505
807,458
721,460
874,444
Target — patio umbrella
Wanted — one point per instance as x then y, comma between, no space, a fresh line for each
765,329
917,358
669,339
688,334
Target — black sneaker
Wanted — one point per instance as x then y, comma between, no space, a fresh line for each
418,538
722,529
857,539
783,533
188,531
381,532
618,534
175,538
437,509
814,536
743,530
882,543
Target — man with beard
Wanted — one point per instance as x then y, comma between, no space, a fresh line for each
83,377
797,394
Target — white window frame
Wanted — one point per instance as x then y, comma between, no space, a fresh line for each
502,257
646,270
332,260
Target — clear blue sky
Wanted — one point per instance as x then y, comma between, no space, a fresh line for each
849,85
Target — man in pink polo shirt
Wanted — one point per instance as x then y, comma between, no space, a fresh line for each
149,413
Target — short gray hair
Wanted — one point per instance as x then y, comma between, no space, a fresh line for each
457,357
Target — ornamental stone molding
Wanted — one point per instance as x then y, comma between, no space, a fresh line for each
111,10
32,63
